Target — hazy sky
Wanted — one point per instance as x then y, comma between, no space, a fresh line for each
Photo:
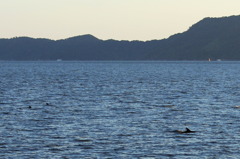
107,19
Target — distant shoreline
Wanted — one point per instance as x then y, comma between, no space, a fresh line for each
210,38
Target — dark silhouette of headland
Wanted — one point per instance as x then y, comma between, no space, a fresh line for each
210,38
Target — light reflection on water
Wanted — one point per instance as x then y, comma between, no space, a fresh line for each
119,109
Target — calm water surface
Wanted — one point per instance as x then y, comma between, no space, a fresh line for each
119,110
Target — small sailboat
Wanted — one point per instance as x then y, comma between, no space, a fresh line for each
209,60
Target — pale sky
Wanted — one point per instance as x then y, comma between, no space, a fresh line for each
107,19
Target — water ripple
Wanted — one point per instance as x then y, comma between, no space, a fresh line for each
119,110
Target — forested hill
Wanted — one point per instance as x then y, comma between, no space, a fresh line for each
215,38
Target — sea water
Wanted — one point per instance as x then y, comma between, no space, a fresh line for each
119,110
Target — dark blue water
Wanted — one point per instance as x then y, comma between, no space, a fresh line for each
119,110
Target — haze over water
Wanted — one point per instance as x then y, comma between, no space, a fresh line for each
119,109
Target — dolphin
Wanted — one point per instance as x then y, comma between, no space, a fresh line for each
186,131
189,131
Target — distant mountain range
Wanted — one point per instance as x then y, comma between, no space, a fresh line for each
215,38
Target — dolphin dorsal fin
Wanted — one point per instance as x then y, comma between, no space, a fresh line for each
188,130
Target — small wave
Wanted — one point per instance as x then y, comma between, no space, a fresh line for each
82,140
3,144
124,135
236,107
86,146
168,106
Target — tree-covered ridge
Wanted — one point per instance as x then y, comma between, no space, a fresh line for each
215,38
